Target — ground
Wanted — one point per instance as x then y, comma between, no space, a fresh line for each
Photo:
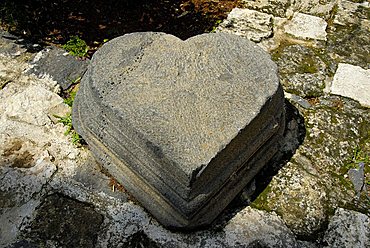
95,21
320,197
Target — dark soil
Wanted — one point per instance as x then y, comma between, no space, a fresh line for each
46,21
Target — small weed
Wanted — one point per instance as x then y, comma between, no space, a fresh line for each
76,47
76,138
70,99
70,94
218,22
67,121
358,156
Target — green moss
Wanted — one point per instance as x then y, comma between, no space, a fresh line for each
70,99
364,130
278,52
308,65
333,120
343,182
262,202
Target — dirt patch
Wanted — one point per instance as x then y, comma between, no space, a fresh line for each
94,21
16,156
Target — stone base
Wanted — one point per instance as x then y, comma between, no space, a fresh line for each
184,169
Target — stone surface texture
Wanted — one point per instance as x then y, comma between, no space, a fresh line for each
318,178
286,8
247,23
225,112
347,12
351,226
306,27
353,82
327,213
58,65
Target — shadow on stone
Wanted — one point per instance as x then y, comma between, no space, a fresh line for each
13,44
22,244
64,222
139,240
294,135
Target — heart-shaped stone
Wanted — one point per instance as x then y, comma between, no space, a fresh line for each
183,125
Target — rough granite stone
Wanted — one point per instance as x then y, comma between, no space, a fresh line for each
183,125
348,228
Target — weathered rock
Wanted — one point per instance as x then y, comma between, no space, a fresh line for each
337,130
297,197
254,227
247,23
14,47
286,8
316,180
274,7
183,125
348,229
353,82
28,145
55,165
77,221
305,26
55,63
320,8
297,99
21,106
357,177
249,228
347,13
301,70
349,44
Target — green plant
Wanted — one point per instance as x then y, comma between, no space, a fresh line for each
69,100
70,94
67,121
359,156
76,47
218,22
